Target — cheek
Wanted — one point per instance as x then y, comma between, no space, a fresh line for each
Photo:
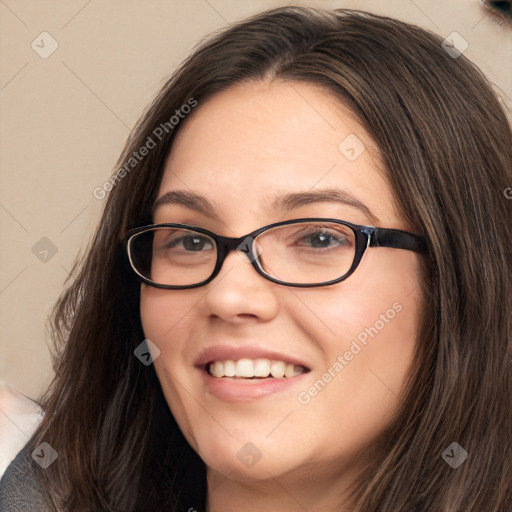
166,322
165,313
169,320
367,331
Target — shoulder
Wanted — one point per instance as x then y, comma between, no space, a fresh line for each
20,488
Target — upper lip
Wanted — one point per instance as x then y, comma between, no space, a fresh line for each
236,352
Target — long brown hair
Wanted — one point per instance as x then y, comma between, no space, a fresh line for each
446,144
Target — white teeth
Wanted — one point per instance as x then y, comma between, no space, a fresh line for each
277,369
244,368
217,369
289,371
261,368
229,368
249,368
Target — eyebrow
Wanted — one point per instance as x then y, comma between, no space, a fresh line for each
289,201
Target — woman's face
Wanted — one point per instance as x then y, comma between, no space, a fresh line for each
240,150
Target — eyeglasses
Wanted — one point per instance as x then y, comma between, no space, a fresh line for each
300,252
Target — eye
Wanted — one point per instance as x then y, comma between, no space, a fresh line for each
323,238
192,243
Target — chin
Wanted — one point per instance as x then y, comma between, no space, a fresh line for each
246,463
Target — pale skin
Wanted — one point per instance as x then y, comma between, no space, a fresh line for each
240,149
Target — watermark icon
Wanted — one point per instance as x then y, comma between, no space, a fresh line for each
157,135
508,192
454,45
454,455
244,248
146,352
351,147
249,455
45,455
44,45
44,250
305,397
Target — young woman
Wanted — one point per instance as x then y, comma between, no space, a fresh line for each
299,293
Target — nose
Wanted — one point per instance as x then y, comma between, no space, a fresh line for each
238,290
238,258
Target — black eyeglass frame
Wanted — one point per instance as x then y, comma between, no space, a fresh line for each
365,236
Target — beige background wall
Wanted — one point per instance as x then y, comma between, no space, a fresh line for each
64,119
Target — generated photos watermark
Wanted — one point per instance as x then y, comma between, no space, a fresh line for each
454,455
305,396
351,147
45,455
249,454
147,352
44,45
454,45
157,135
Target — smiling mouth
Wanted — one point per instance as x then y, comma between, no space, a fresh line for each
254,369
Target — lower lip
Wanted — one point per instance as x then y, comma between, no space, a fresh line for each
232,389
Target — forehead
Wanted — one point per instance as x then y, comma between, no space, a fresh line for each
256,140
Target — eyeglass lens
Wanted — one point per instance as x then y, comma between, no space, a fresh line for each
301,253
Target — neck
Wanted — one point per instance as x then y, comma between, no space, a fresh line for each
314,489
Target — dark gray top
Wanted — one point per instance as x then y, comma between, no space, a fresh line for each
20,490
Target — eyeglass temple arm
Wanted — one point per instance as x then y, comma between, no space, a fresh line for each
383,237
